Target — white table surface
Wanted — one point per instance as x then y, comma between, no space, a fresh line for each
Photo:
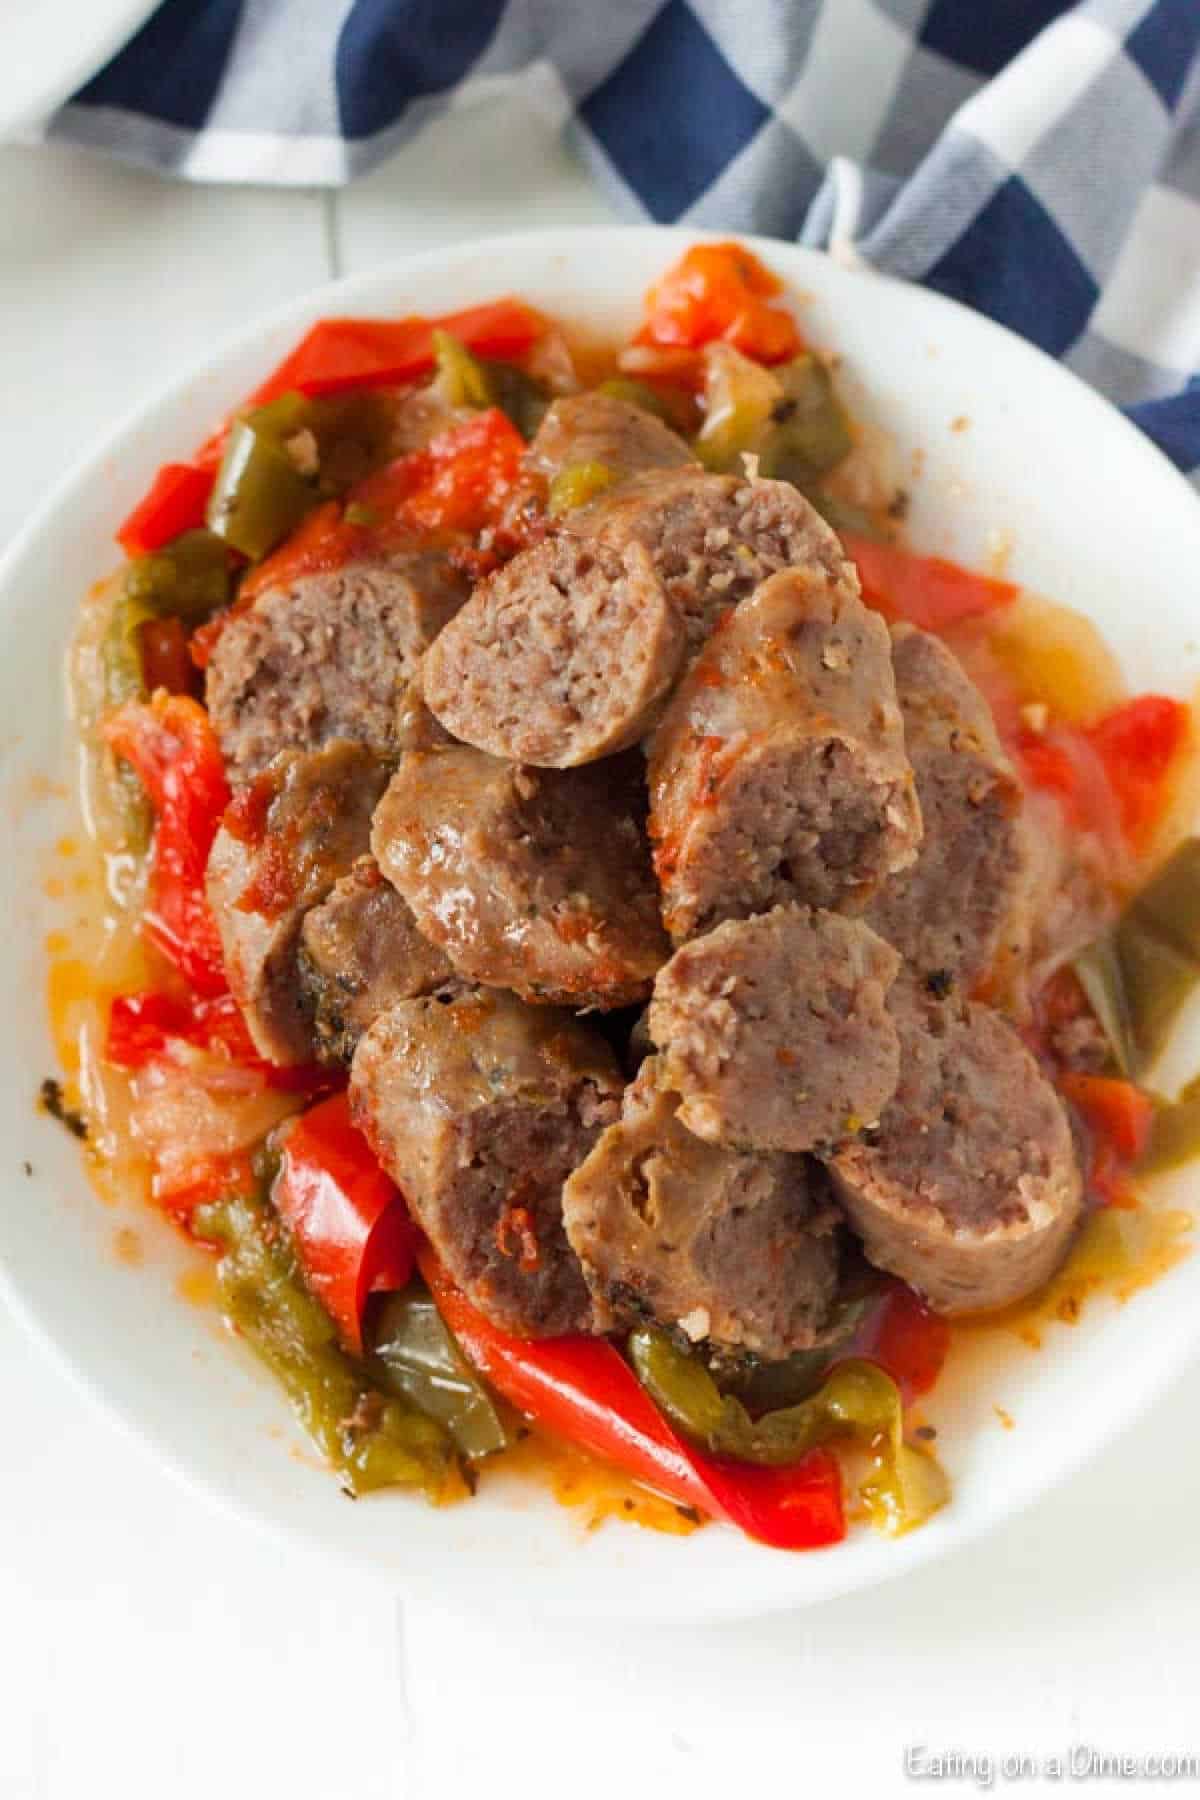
150,1645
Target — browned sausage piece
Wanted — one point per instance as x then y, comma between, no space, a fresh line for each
601,428
970,1188
948,914
479,1107
714,538
309,817
738,1247
558,658
415,726
537,880
778,771
775,1031
326,657
360,952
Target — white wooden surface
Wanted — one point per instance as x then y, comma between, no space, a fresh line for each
150,1645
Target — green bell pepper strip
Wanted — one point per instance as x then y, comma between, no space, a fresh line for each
260,495
576,485
809,433
1140,974
765,1386
285,457
187,580
372,1438
413,1353
857,1399
739,397
789,417
637,393
464,379
124,679
460,377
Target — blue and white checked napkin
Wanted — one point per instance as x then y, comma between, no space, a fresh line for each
1036,159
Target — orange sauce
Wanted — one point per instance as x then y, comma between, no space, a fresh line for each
128,1247
593,1490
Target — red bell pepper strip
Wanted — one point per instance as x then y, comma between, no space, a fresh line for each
1119,1119
582,1390
146,1027
165,660
458,482
927,591
348,1221
1112,778
321,541
142,1027
333,356
907,1339
336,354
172,746
1138,744
1063,761
720,292
176,502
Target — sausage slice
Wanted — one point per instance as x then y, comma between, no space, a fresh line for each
778,771
601,428
326,656
558,658
531,879
775,1030
361,952
479,1108
966,897
969,1189
281,848
737,1247
714,538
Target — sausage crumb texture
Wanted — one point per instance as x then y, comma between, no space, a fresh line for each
775,1030
560,658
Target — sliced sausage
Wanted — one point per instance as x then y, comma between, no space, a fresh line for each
532,879
965,898
558,658
714,538
479,1108
601,428
774,1031
778,772
285,841
360,952
326,656
734,1246
969,1189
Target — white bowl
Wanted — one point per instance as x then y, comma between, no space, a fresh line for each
1096,518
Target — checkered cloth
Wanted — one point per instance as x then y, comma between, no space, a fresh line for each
1036,159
